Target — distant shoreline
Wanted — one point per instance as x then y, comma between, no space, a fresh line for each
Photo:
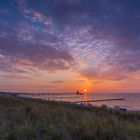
78,96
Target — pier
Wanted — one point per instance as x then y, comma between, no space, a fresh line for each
100,100
55,96
38,95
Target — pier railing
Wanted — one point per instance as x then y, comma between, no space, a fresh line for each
25,94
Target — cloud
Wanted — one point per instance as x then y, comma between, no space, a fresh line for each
113,75
57,81
37,17
15,76
103,37
7,66
35,55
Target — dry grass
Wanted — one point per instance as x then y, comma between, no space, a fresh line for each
27,119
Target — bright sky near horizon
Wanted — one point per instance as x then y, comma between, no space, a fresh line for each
69,45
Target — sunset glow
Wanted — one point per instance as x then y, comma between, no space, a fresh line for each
85,90
65,45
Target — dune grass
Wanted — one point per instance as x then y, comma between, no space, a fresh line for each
28,119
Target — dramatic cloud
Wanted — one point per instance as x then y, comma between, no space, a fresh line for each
42,57
98,39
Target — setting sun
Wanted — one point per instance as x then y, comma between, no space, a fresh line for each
85,90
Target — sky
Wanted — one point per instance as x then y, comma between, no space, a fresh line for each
69,45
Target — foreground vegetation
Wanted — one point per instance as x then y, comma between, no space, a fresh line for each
28,119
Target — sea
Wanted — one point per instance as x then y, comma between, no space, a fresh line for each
131,102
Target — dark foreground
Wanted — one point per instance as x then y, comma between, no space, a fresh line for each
27,119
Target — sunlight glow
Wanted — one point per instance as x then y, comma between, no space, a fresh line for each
85,90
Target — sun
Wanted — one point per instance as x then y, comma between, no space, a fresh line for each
85,90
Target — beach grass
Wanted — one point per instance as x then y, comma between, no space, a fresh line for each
29,119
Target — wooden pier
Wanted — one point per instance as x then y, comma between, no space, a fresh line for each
56,96
100,100
37,95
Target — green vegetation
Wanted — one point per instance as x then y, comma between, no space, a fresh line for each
28,119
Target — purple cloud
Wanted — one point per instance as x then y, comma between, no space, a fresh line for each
57,81
103,37
41,57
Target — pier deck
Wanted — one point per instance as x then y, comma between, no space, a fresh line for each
100,100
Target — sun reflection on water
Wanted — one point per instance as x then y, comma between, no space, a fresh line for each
85,97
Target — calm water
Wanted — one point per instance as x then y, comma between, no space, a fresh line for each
131,102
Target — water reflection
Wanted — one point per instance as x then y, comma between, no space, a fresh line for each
85,97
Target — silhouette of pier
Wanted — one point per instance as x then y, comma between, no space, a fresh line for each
55,96
37,95
100,100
